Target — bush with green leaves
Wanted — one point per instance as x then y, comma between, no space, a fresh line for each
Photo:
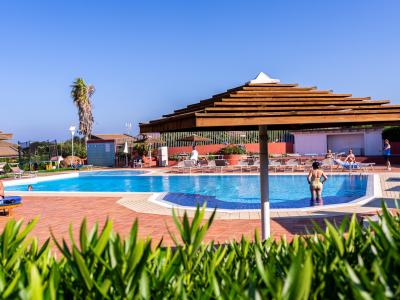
340,262
392,133
233,149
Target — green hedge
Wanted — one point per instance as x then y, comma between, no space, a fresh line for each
342,262
391,133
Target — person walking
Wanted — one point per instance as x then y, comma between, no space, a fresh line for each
316,179
387,151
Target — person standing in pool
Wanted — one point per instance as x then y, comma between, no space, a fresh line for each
386,154
316,183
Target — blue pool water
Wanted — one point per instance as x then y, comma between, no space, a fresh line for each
223,191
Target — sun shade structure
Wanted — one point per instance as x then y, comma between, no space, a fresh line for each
277,105
149,140
5,136
265,103
194,138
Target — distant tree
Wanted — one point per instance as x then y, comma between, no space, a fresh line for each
392,133
81,94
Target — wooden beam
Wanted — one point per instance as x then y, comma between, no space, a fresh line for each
309,103
290,108
279,99
291,95
335,120
296,113
275,92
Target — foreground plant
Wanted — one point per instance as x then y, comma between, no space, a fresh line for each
347,261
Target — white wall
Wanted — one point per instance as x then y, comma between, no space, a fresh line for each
310,143
342,142
368,139
373,142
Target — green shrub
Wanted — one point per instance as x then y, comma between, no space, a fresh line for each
233,149
391,133
342,262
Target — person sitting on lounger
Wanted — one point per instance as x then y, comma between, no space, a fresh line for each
1,190
316,183
329,154
195,155
350,158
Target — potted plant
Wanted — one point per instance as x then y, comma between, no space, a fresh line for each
233,153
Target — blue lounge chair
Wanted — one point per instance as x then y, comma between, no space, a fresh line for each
7,204
354,166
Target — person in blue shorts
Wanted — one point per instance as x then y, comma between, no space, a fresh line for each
386,154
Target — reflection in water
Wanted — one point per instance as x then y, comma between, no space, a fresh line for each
317,202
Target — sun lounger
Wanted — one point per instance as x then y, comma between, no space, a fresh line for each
275,165
18,173
179,167
328,164
291,165
189,164
203,165
245,164
346,166
221,164
7,204
2,165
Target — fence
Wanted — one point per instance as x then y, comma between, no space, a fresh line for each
225,137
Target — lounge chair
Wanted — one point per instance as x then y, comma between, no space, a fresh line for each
202,164
275,165
328,164
7,204
245,164
18,173
189,164
291,164
221,164
256,165
346,166
179,167
2,165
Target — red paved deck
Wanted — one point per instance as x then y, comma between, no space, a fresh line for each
58,212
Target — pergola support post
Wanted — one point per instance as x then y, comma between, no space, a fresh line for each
264,182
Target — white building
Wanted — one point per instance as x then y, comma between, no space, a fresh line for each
364,142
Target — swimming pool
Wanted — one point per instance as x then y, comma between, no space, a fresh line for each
222,191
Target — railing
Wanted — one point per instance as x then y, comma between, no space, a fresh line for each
225,137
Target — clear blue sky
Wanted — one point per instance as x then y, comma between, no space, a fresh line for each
147,58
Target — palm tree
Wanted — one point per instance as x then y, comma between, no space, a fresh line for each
81,94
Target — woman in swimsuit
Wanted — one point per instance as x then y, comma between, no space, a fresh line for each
316,184
386,154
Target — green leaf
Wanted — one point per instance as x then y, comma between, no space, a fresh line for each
84,271
104,238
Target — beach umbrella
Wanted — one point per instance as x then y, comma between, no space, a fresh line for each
149,140
126,148
126,153
5,136
266,104
194,138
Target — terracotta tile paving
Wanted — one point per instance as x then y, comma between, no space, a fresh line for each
58,212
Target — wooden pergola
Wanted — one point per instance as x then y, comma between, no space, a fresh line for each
265,103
